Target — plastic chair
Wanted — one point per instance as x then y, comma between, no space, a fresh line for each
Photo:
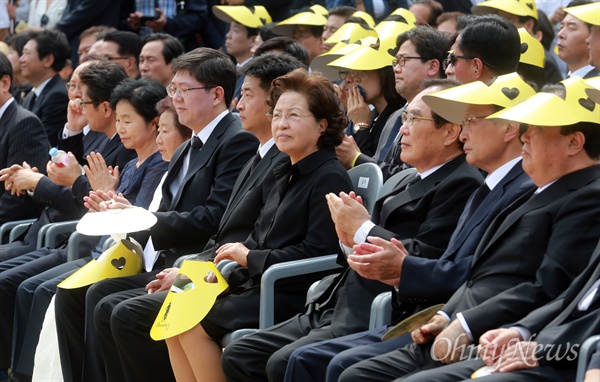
75,241
381,310
395,180
585,353
49,233
6,229
367,180
267,289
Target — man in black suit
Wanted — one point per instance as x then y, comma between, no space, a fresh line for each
493,147
22,139
126,344
531,252
44,55
414,212
194,197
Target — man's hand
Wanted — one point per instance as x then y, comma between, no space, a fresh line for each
518,356
233,251
378,259
348,214
135,20
450,344
164,280
21,178
158,24
347,151
64,176
427,332
494,342
76,119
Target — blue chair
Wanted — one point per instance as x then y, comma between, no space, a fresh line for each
367,181
585,353
7,230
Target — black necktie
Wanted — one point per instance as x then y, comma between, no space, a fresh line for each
255,162
478,197
413,182
30,100
195,148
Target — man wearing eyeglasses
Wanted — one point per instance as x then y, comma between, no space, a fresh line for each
488,47
123,48
44,55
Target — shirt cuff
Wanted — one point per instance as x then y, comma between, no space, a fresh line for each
360,236
464,325
66,133
444,314
347,250
523,331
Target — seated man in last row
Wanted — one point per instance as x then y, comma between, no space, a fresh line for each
422,211
529,255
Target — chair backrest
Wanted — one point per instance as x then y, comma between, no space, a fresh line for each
6,230
367,180
395,180
585,353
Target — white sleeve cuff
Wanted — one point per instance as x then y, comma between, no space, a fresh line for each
360,236
66,133
464,325
523,331
444,314
347,250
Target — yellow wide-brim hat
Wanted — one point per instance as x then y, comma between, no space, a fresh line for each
123,259
514,7
350,33
248,16
321,62
366,17
315,16
363,58
400,15
594,91
505,91
548,109
189,300
388,35
532,51
589,13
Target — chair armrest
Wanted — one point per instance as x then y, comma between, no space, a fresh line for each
18,231
181,259
284,270
75,241
47,236
585,353
381,310
8,226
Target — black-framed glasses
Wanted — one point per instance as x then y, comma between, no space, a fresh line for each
355,74
465,122
82,103
408,118
183,92
401,60
117,58
452,58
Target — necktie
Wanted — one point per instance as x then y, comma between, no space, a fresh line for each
478,197
195,148
30,100
255,162
413,182
390,140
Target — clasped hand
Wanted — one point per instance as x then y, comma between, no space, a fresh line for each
348,214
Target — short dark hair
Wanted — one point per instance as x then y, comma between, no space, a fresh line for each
575,3
286,45
545,26
101,77
591,132
446,16
269,66
130,44
342,11
429,43
143,94
172,47
266,31
6,70
52,42
18,41
166,105
209,67
388,85
494,40
322,101
96,30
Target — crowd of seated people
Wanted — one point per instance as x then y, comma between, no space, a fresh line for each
239,126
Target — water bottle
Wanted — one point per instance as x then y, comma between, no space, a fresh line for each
59,157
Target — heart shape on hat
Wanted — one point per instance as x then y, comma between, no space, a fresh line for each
118,263
510,93
524,47
587,104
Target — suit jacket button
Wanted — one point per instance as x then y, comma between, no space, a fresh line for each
469,283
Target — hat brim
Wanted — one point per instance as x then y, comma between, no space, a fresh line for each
241,15
540,110
589,13
363,58
509,6
116,221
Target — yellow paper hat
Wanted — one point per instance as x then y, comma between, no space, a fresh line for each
388,35
351,32
548,109
248,16
366,17
320,63
594,91
532,51
504,91
400,15
314,16
363,58
514,7
124,258
189,300
590,13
